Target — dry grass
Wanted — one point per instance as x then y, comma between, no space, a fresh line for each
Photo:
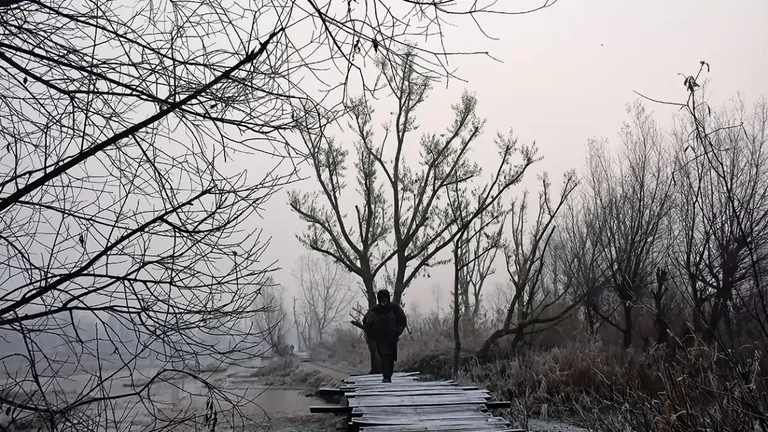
597,384
285,372
700,389
346,349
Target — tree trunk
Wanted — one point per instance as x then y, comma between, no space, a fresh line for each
724,292
296,322
370,291
719,310
467,306
399,287
627,331
662,329
456,316
591,320
661,323
484,352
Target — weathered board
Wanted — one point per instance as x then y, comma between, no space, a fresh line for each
409,404
418,392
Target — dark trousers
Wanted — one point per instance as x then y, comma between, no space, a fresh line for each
387,365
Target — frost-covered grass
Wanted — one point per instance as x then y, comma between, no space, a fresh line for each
590,382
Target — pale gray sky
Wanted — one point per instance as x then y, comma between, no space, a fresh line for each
567,74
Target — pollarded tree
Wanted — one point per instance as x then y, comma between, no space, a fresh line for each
581,258
631,201
474,251
403,216
532,301
721,211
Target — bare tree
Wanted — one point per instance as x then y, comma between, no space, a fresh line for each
581,258
721,212
327,294
302,327
533,301
718,254
474,251
122,212
632,200
273,320
415,223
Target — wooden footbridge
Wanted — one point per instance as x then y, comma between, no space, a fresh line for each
409,404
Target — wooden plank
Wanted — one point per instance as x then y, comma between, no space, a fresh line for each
422,392
441,428
417,418
398,373
330,390
446,428
398,400
328,409
404,381
379,382
467,423
395,389
434,427
375,378
395,374
498,404
474,395
424,409
403,385
445,389
415,400
398,384
483,420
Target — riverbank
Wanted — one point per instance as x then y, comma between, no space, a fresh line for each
269,395
289,388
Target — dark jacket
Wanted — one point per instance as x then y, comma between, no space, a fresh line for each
388,324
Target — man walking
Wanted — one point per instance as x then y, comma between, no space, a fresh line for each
390,324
